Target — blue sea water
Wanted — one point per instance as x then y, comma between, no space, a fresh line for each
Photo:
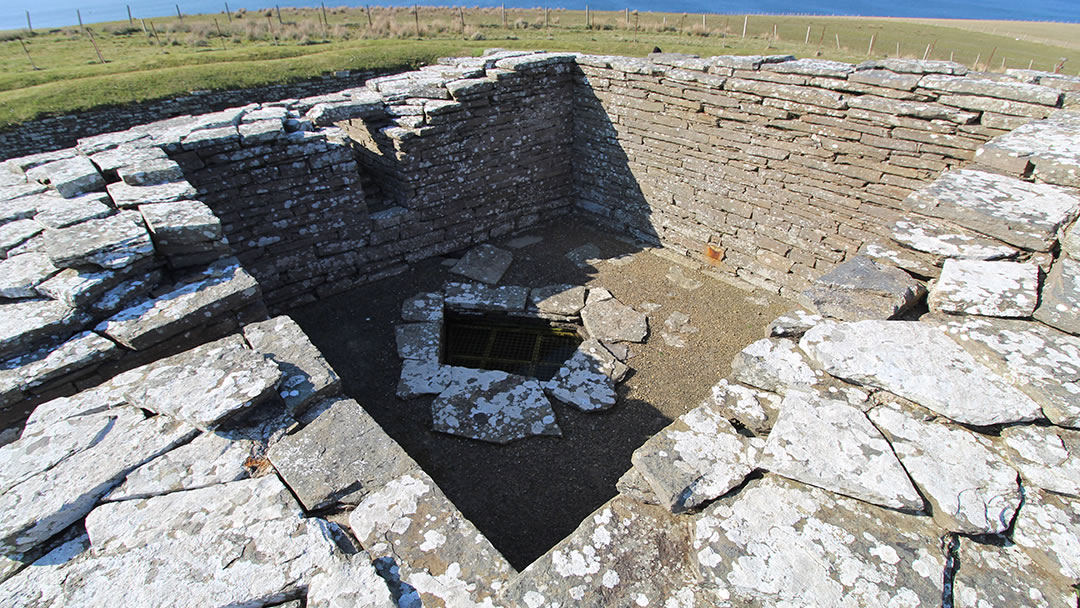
55,13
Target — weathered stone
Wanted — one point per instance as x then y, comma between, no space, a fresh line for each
151,172
121,293
633,485
1040,361
1070,244
998,574
209,459
261,131
348,581
1015,91
475,296
773,364
211,138
73,176
1047,529
113,159
339,458
609,357
891,254
695,459
202,386
324,114
914,66
993,289
54,476
1059,305
420,341
37,367
831,445
111,242
13,234
484,263
181,223
57,212
25,323
585,381
920,363
1051,145
861,289
811,67
493,406
306,377
678,278
127,196
780,543
223,286
624,554
1047,457
558,299
885,78
754,409
948,241
423,307
804,95
584,256
915,109
22,208
611,321
107,141
21,274
422,377
792,324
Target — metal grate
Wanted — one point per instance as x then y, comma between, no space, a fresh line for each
522,348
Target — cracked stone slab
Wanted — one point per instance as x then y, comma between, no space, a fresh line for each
126,196
1051,145
181,223
612,321
891,254
695,459
423,307
755,409
112,159
341,457
26,323
1005,575
992,289
35,368
1060,303
22,208
972,489
53,477
223,286
78,287
111,242
306,376
150,172
1047,457
585,381
348,581
21,274
773,364
948,241
209,459
584,256
422,377
476,296
203,386
792,324
419,341
780,543
493,406
484,263
58,212
1047,529
1070,244
609,358
920,363
861,289
13,234
831,445
1040,361
563,299
625,554
73,176
439,552
1019,213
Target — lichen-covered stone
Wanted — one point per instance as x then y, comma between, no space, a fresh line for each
1001,574
1051,145
558,299
1059,305
1048,528
1047,457
493,406
209,459
948,241
150,172
26,323
484,263
348,581
755,409
21,274
993,289
792,324
423,307
110,242
773,364
419,341
476,296
13,234
612,321
43,365
306,377
127,196
583,381
861,289
73,176
181,223
57,212
422,377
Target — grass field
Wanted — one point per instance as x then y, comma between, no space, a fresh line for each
60,70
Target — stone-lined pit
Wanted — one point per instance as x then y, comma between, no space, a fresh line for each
523,347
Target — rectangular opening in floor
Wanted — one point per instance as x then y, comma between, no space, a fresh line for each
527,347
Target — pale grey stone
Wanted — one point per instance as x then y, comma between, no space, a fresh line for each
420,341
53,477
306,377
422,377
558,299
606,357
261,131
127,196
754,409
150,172
493,406
1060,302
831,445
107,141
891,254
885,78
13,234
781,543
423,307
971,488
90,401
1042,362
209,459
612,321
21,274
773,364
792,324
598,294
1015,91
348,581
73,176
678,278
37,367
584,256
948,241
324,114
1047,457
1070,244
484,263
1048,529
57,212
615,558
523,241
695,459
811,67
476,296
111,242
22,164
341,457
202,386
439,552
22,208
585,381
211,137
1019,213
113,159
181,223
992,289
1051,145
78,287
914,66
916,109
1002,574
633,485
861,289
25,323
920,363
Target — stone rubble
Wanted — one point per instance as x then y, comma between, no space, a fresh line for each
493,406
860,289
484,263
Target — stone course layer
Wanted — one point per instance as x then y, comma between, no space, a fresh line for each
172,444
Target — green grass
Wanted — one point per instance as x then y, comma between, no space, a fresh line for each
253,50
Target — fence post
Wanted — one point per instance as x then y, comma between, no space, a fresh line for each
744,20
27,51
461,16
29,27
78,14
416,16
228,13
588,25
807,41
131,21
838,42
870,51
179,14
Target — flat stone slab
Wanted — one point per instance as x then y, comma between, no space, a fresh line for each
475,296
422,377
566,300
209,459
202,386
992,289
920,363
423,307
181,223
861,289
1005,575
349,581
484,263
1040,361
58,212
831,445
111,242
78,287
419,341
37,367
1047,530
972,489
20,274
792,324
223,286
493,406
339,458
584,256
126,196
612,321
583,381
755,409
1060,303
306,377
678,278
26,323
1051,145
1047,457
695,459
773,364
948,241
55,475
439,552
73,176
778,542
150,172
1019,213
615,558
13,234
